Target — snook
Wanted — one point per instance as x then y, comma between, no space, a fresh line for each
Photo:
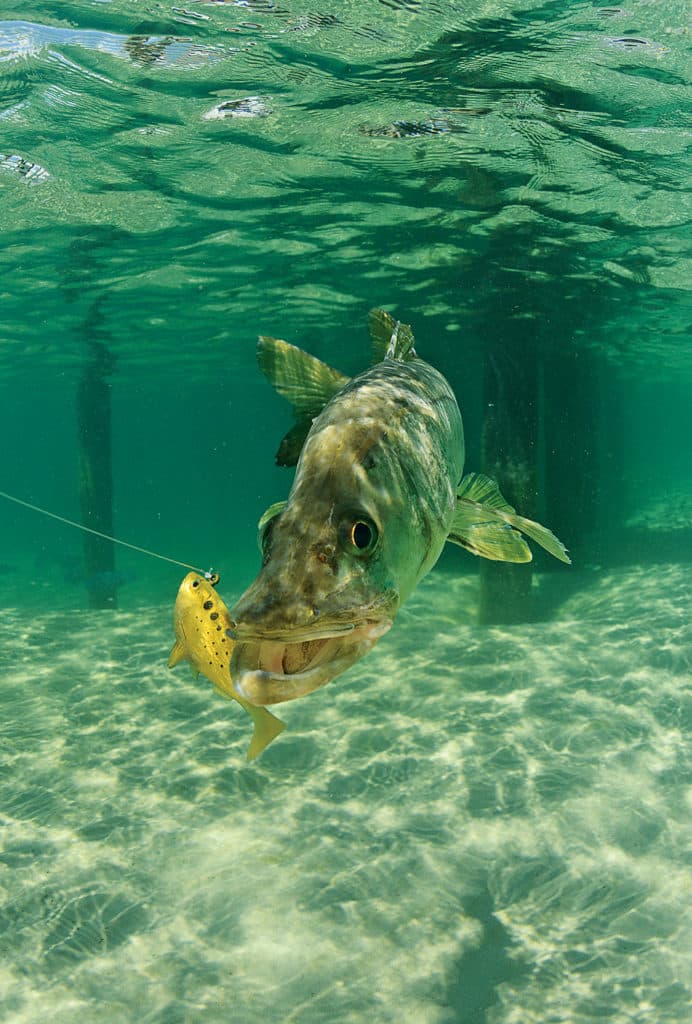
374,499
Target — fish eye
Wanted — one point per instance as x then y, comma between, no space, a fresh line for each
360,534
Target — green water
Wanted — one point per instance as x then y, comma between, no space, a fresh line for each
479,823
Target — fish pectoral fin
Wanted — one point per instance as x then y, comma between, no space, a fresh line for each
487,525
390,338
274,509
484,490
267,728
474,530
305,381
265,519
540,534
177,654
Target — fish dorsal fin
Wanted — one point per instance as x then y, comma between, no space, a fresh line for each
304,380
390,338
487,525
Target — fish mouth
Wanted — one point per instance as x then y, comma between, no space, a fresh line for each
292,634
286,664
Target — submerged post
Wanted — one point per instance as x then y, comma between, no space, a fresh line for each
95,470
509,442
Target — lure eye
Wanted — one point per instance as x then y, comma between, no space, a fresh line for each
360,535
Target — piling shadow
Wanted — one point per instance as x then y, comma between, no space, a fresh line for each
479,972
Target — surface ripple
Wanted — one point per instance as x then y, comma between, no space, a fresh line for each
390,135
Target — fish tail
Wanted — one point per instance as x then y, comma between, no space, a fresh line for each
267,728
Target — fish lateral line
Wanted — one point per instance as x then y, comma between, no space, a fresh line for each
210,575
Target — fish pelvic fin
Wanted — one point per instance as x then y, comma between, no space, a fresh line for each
267,728
303,380
390,338
178,654
288,452
487,525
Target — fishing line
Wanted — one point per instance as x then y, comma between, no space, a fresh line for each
210,575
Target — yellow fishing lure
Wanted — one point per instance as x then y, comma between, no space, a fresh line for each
200,621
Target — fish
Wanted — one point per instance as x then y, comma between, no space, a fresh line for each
378,491
200,621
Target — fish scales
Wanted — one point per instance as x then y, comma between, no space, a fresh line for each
416,456
389,446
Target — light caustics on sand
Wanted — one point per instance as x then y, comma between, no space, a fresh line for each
535,807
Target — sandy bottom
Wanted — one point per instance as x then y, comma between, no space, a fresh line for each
472,825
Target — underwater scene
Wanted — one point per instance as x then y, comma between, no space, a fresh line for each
345,512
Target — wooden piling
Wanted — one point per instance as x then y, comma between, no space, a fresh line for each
509,456
95,472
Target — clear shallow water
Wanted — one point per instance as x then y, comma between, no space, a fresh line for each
476,823
509,178
481,821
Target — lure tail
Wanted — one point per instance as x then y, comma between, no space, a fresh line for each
267,728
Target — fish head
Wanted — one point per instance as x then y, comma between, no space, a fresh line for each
326,591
